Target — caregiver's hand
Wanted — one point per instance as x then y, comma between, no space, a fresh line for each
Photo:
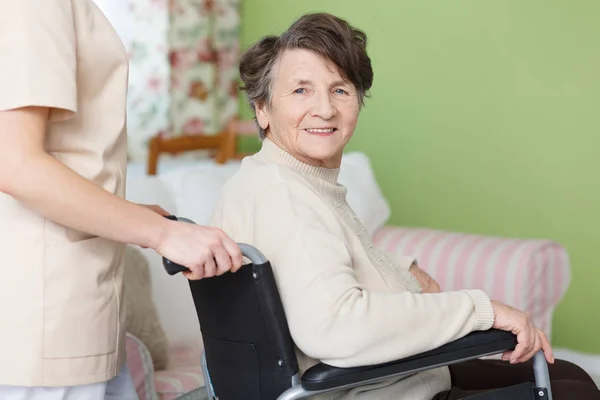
529,337
206,251
428,284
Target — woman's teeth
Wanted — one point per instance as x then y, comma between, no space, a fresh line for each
327,130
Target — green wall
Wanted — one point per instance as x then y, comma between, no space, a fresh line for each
484,119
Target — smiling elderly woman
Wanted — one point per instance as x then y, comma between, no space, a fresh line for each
348,304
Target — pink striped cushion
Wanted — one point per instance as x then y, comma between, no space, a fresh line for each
140,366
532,275
183,375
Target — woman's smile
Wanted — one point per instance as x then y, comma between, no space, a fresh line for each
321,131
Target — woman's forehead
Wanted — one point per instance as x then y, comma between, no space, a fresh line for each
301,66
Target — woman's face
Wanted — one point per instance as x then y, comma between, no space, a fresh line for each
313,112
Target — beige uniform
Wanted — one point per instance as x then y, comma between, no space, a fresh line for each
61,291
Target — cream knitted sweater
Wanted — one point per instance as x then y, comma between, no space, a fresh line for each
347,303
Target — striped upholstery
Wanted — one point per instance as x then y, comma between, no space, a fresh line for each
183,375
140,367
532,275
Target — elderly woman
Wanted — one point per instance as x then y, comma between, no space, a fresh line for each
347,303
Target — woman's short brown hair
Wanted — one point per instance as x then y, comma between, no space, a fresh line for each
327,35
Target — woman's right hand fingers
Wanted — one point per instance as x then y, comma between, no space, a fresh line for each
524,346
541,343
528,336
546,347
530,339
536,345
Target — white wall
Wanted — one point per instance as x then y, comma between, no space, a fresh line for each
117,12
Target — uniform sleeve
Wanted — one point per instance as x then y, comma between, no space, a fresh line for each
332,317
38,56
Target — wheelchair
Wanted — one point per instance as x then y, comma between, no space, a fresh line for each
249,353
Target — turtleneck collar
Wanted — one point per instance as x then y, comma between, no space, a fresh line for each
272,153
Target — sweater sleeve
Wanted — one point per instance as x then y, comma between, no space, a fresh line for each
331,316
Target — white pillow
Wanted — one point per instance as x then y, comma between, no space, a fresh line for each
198,188
364,194
145,189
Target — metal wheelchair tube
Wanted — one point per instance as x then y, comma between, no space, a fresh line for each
210,391
540,369
252,253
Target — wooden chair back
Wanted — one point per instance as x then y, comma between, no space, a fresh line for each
223,144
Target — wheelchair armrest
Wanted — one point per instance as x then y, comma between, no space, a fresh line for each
474,345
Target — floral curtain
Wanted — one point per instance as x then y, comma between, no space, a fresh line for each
227,45
183,70
193,68
148,99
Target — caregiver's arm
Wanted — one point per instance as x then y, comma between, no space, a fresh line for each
332,317
38,180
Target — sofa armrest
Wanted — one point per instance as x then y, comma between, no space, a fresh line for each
141,368
532,275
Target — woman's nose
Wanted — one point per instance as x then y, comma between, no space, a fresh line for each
323,106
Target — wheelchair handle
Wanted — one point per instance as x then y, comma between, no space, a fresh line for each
248,251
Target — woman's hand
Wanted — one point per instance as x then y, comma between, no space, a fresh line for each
530,338
428,284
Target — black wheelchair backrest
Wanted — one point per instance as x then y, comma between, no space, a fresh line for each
245,333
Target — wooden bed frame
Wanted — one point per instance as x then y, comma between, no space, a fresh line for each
223,144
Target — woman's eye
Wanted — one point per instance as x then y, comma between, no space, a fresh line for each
340,91
300,91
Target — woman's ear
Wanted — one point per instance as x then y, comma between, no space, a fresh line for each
261,116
